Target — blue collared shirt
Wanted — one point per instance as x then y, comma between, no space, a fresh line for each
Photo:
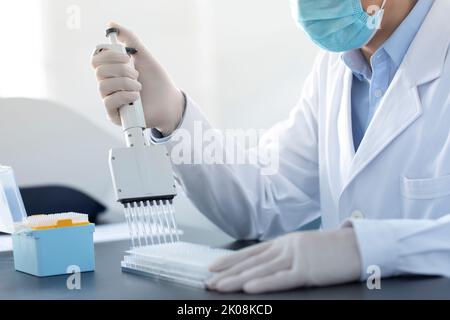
370,82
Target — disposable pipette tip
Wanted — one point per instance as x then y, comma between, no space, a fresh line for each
151,222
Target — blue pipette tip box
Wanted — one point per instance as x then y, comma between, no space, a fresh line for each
52,252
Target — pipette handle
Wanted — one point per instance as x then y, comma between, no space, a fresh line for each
132,115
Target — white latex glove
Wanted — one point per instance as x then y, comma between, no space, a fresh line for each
119,84
302,259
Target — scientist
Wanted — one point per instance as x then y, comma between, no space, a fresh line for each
367,150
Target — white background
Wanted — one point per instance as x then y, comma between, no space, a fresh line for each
243,61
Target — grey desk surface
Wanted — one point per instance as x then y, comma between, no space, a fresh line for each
108,282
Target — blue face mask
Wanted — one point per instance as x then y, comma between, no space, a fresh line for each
337,25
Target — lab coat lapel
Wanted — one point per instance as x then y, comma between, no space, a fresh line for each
401,105
344,128
339,151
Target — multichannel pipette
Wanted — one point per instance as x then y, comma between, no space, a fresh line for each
142,173
143,181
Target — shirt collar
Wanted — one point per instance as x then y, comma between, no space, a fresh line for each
358,65
396,46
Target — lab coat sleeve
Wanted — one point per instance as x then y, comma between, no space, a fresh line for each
401,247
250,201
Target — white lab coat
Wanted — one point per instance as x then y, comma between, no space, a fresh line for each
395,191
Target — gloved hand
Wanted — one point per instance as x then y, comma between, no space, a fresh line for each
119,84
301,259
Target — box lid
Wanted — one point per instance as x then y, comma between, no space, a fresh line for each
12,210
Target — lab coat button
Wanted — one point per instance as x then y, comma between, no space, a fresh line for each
357,215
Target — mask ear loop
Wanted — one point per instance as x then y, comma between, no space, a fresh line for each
375,20
380,14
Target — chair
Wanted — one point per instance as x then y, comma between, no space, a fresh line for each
59,157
